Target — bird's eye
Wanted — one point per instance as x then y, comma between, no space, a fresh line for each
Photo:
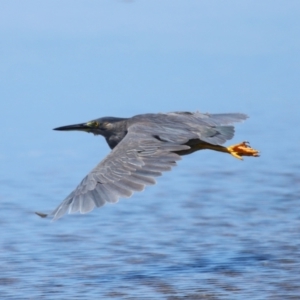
93,124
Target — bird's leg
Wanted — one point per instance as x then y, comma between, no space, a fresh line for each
242,149
238,150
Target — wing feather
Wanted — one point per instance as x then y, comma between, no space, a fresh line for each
144,153
130,166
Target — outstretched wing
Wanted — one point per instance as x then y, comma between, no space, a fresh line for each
130,166
144,153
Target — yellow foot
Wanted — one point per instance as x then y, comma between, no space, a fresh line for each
242,149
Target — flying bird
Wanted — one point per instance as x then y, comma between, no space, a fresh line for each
144,146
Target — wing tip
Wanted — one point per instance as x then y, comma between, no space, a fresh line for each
42,215
243,116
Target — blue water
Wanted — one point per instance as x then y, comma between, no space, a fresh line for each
213,228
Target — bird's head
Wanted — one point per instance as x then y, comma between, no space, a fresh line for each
103,126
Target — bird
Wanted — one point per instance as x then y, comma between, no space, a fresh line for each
144,146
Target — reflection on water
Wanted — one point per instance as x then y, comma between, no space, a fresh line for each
199,234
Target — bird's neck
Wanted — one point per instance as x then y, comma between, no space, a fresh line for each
116,134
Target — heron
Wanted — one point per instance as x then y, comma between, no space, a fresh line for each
144,146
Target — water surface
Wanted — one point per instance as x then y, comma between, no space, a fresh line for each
213,228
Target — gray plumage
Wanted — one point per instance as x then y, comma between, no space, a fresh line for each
143,147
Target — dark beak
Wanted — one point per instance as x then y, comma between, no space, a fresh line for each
80,127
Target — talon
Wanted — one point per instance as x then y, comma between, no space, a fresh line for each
242,149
